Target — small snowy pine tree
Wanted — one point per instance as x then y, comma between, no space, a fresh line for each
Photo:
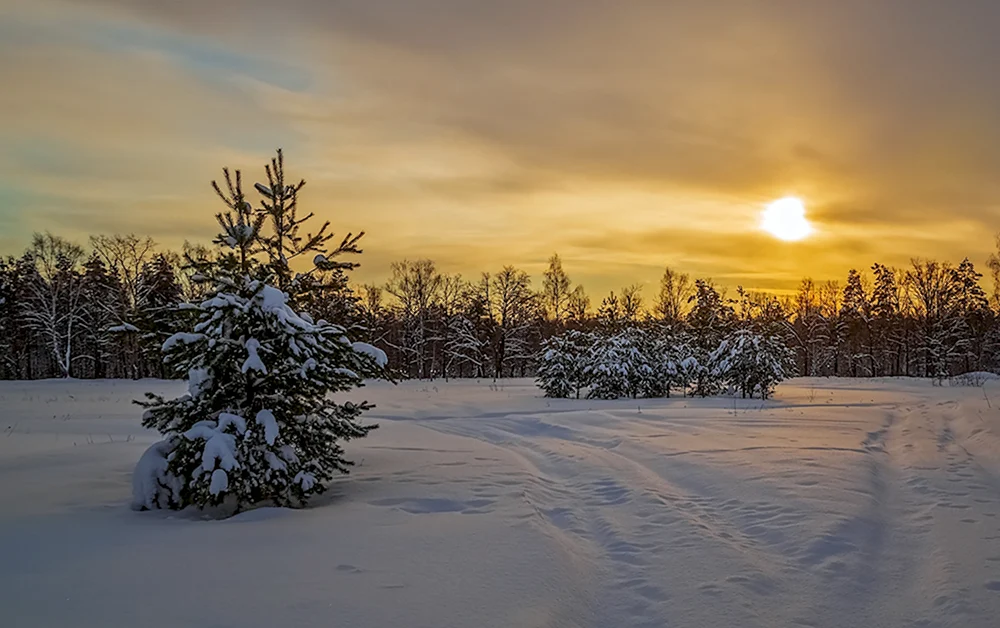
654,368
616,367
555,364
561,364
607,369
752,363
687,371
258,422
704,376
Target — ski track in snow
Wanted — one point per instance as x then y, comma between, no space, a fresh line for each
840,503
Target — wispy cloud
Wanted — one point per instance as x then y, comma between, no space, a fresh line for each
625,136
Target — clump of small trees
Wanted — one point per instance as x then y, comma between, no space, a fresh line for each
654,362
720,345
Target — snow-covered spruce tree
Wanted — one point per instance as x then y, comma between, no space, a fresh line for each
606,369
687,371
555,367
156,314
613,368
677,362
710,319
752,363
258,423
643,364
656,369
635,362
562,362
703,374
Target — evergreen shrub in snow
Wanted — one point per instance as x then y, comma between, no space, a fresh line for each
704,377
258,422
686,371
752,363
561,364
610,368
636,362
658,349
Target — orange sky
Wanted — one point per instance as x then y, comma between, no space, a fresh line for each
623,135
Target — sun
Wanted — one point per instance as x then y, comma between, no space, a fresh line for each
785,219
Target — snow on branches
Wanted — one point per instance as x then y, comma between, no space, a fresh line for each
752,363
258,422
638,362
562,362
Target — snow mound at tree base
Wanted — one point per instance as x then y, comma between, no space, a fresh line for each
153,487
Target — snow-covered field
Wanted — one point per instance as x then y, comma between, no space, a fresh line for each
840,503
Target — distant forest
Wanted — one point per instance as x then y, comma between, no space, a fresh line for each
103,311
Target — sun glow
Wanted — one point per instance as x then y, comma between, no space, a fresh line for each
785,219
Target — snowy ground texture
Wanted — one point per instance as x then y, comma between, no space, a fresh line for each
840,503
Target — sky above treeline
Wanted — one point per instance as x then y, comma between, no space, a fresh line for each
625,136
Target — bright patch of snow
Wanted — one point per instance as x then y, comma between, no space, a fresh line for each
219,446
271,298
152,486
219,483
181,338
199,380
307,366
266,419
372,351
124,327
306,480
275,302
346,372
253,361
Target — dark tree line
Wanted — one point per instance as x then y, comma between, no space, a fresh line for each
104,311
67,312
931,319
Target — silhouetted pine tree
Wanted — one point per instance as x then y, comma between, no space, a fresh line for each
710,319
100,320
855,312
158,316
